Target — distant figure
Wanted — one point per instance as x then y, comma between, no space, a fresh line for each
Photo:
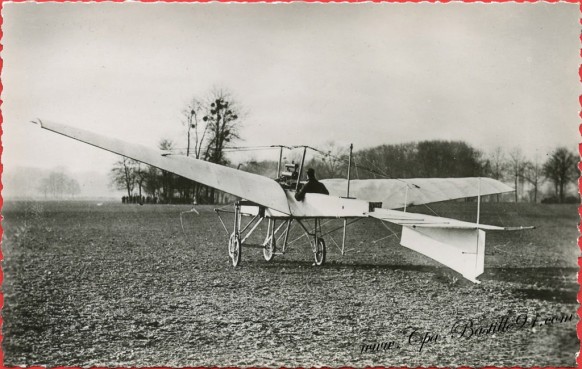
312,186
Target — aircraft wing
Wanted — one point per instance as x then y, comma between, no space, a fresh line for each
253,187
394,193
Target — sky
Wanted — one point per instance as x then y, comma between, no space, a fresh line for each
368,74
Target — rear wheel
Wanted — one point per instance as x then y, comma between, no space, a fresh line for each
319,251
234,249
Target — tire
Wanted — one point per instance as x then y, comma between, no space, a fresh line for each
269,249
319,252
234,249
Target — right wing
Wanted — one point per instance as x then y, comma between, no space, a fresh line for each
398,193
253,187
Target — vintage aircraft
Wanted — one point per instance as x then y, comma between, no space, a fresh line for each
457,244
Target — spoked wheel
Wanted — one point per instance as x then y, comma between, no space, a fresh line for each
269,248
319,251
234,249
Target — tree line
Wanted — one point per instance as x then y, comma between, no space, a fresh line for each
442,159
212,127
58,185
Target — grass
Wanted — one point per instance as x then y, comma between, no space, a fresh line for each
123,285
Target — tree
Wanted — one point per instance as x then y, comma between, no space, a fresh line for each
72,187
496,165
167,179
426,159
560,169
212,123
152,181
222,118
58,184
197,128
533,174
332,163
394,161
123,175
140,176
516,167
448,159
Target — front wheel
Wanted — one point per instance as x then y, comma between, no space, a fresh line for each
269,248
234,249
319,251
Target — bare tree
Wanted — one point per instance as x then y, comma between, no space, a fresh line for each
152,182
332,163
533,174
58,184
197,128
516,167
140,176
72,187
497,165
167,178
560,169
222,118
123,175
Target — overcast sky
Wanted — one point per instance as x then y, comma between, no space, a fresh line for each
370,74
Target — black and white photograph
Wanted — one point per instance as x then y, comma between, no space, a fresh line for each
290,184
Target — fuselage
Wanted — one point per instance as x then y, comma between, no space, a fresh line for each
316,205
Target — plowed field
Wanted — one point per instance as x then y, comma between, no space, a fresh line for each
90,284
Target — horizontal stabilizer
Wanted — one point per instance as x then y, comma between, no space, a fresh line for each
253,187
454,243
428,221
398,193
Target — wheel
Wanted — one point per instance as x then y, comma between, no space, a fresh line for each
234,249
319,251
269,248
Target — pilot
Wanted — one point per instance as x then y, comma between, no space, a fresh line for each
312,186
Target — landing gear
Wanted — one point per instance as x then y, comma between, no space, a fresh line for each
269,245
277,230
234,249
317,242
319,250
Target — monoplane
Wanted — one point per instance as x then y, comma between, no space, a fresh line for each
459,245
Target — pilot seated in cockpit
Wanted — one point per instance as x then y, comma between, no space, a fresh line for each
312,186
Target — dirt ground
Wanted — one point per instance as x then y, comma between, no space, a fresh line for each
90,284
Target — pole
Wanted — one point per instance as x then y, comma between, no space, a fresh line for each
349,168
280,158
344,236
478,215
478,199
301,168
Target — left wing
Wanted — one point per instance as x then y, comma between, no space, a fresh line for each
253,187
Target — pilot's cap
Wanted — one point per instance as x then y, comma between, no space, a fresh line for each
310,172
